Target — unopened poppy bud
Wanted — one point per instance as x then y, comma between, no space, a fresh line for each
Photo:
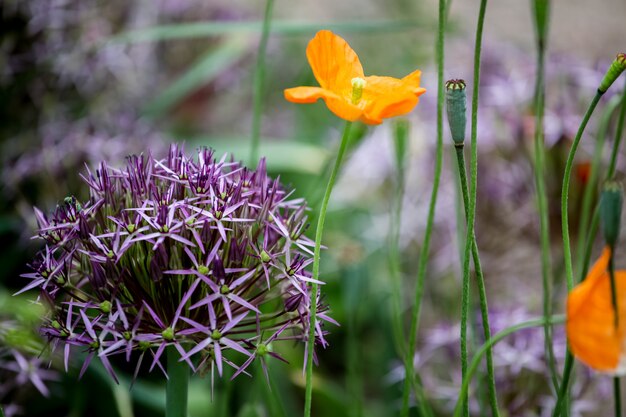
357,89
456,108
610,211
617,67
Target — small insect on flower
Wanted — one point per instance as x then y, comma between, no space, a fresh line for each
348,93
596,336
183,252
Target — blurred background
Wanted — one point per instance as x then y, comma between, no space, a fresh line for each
90,80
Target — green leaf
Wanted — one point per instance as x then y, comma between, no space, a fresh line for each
285,27
281,155
202,72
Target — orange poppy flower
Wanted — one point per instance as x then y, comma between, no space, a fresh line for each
592,333
347,91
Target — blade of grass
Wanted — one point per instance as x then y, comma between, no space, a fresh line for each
284,27
203,71
409,369
281,155
259,77
489,344
541,19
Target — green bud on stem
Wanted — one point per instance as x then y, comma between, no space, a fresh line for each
611,201
456,109
617,67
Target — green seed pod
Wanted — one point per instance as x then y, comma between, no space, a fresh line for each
610,211
617,67
456,109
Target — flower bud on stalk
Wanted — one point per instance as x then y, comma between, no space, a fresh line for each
456,109
617,67
610,211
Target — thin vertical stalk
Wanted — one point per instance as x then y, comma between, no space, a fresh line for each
177,385
590,187
465,292
488,345
567,255
617,393
308,396
493,399
409,375
609,175
259,78
479,273
541,19
395,218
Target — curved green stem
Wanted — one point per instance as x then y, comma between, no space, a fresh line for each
308,396
590,187
493,400
259,77
567,255
488,345
177,384
409,375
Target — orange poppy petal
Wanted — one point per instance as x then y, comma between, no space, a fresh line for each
304,94
336,104
334,62
389,97
591,330
343,108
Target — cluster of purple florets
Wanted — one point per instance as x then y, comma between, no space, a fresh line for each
200,254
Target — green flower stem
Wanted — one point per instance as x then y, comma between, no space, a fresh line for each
395,269
409,375
590,188
541,20
617,393
618,136
493,399
488,345
259,77
567,255
177,384
595,222
308,395
460,158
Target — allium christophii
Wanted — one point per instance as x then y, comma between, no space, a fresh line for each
200,254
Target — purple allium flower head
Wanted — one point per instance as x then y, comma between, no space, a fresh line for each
201,254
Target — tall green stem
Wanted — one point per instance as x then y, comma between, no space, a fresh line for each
177,384
259,77
488,345
409,375
308,396
541,9
617,393
395,269
480,282
584,226
567,255
471,215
